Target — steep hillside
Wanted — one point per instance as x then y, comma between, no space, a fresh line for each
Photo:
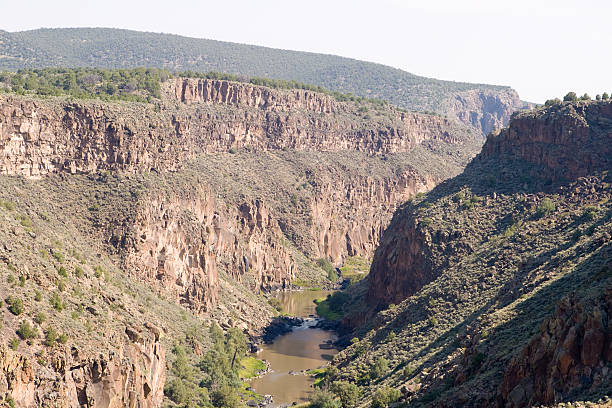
494,288
483,106
134,226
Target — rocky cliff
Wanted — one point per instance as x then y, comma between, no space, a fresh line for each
558,144
483,109
573,351
178,242
132,375
567,140
38,137
192,206
492,289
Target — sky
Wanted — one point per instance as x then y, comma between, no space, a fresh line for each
541,48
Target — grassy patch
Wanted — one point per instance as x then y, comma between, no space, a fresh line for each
250,367
355,268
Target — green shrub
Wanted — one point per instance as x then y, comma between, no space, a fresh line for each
62,272
15,305
50,337
323,399
62,338
78,271
37,296
40,318
347,392
590,212
226,397
384,396
26,331
408,370
324,264
25,221
98,271
546,207
61,285
276,304
14,343
22,280
59,257
56,302
570,97
459,197
379,369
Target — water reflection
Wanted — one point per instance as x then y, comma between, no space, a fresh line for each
294,352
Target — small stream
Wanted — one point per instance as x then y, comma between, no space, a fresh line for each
295,351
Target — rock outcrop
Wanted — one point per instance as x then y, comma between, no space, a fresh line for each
178,242
567,140
132,375
563,143
572,352
38,137
484,109
349,218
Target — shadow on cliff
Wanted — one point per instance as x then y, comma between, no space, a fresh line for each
586,283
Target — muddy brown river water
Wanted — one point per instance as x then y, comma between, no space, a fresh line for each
295,351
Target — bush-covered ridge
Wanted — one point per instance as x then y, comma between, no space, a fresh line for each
134,85
113,48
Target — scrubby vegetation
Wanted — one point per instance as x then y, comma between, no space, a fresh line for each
137,85
110,48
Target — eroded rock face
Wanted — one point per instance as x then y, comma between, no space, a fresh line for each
572,351
349,219
402,263
133,375
485,110
241,94
178,242
38,137
568,141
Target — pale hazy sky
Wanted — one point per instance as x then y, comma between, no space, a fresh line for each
542,48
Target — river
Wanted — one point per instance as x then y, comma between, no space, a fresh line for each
295,351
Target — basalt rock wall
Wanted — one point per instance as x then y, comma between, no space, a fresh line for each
38,137
133,375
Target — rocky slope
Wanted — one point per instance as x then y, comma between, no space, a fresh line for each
127,215
493,289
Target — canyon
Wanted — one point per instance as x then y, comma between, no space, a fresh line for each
203,200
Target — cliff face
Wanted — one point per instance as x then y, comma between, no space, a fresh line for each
349,218
476,266
563,143
567,141
131,376
484,109
572,351
204,199
39,137
178,242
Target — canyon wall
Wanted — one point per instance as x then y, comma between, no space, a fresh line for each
177,242
564,142
567,140
572,351
38,137
133,375
350,217
484,109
